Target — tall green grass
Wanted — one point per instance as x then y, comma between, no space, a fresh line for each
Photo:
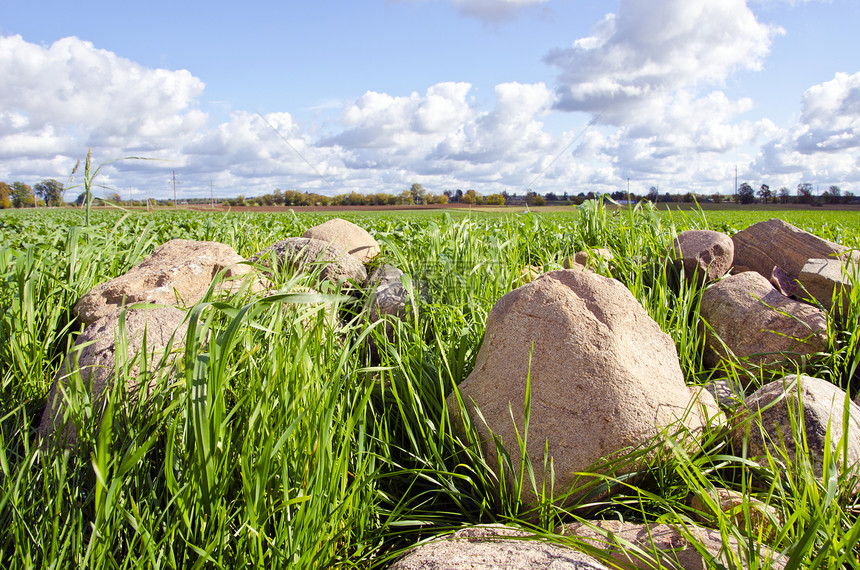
279,437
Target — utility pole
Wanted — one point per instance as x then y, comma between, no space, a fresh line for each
175,203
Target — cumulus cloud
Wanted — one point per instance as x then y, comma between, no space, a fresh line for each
649,49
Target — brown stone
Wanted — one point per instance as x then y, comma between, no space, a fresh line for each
95,352
310,255
705,255
757,323
824,280
674,549
766,423
763,519
178,272
775,242
592,258
494,547
347,236
604,377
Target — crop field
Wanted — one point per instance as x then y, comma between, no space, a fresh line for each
331,445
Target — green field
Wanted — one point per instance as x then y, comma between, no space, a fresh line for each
306,452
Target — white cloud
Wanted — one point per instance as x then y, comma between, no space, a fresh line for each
493,11
649,49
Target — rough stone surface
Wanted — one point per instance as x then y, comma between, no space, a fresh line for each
775,242
347,236
179,271
673,548
591,259
95,350
763,517
389,300
727,395
824,279
383,275
604,377
704,254
306,254
770,427
485,548
758,323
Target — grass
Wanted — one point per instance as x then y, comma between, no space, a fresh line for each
277,440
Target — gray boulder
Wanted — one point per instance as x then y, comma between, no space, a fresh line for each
95,357
178,272
383,275
758,323
827,279
347,236
310,255
494,547
604,378
705,255
766,421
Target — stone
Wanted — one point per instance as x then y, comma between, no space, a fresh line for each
727,395
674,549
604,378
757,323
592,258
775,242
383,275
309,255
347,236
763,518
493,547
826,279
96,353
768,427
705,255
178,272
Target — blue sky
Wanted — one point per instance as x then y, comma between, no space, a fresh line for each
495,95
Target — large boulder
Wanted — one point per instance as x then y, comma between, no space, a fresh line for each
310,255
757,323
674,549
494,548
815,404
95,357
177,272
604,378
827,279
349,237
776,243
705,255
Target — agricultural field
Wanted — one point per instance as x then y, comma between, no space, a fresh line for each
275,443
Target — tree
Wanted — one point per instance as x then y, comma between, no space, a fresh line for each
5,192
804,193
653,194
495,200
535,199
784,195
470,197
50,191
746,195
418,194
832,195
764,194
22,195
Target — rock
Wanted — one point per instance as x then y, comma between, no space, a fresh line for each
763,519
383,275
705,255
764,245
822,404
673,547
177,272
528,274
95,350
757,323
593,258
604,377
783,282
347,236
308,255
727,395
485,548
826,279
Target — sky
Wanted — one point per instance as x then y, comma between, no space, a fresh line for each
335,96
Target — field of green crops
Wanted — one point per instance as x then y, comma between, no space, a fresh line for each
306,451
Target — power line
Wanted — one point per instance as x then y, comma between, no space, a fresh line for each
564,150
295,150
